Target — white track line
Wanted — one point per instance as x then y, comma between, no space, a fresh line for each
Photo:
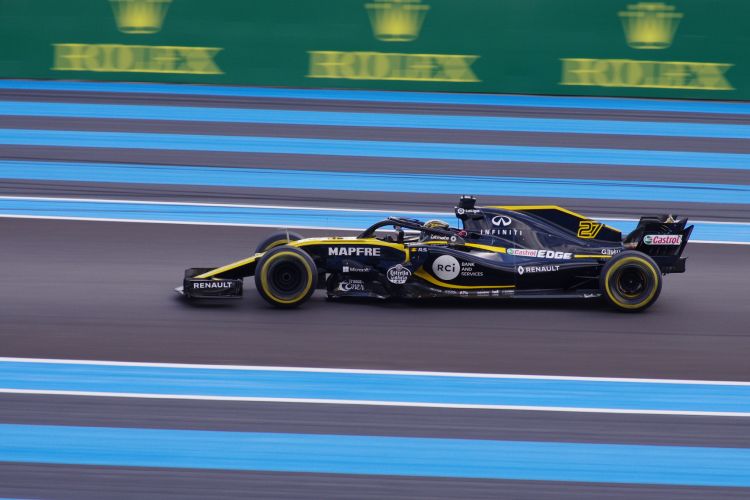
375,403
201,204
288,207
364,371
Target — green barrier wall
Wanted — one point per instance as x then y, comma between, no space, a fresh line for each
681,48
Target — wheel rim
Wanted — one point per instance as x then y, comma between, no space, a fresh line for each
287,278
631,282
630,285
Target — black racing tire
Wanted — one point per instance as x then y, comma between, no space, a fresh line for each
286,276
277,239
631,281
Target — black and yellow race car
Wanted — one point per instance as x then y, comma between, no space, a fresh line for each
499,252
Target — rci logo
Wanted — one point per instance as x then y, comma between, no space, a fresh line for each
650,25
396,20
140,16
588,229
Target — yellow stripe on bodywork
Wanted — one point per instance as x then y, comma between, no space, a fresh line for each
489,248
427,277
583,256
347,241
308,242
229,267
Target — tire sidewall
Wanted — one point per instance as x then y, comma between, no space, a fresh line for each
276,240
268,264
609,274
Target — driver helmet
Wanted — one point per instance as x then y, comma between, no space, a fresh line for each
433,224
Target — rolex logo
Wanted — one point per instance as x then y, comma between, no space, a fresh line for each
140,16
396,20
650,25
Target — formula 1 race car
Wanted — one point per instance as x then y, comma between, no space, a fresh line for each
500,252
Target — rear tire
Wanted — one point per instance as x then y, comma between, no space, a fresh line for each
286,276
631,281
276,240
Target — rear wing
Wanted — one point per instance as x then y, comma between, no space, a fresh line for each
663,238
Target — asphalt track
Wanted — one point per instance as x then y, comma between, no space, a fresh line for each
107,294
103,291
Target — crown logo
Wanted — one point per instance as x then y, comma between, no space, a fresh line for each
396,20
140,16
650,25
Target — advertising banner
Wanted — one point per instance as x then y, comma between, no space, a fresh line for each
679,48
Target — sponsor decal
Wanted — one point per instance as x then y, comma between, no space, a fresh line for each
522,252
212,284
468,211
551,254
543,254
446,267
611,251
398,274
663,239
356,251
537,269
502,232
350,269
351,286
501,220
467,269
591,295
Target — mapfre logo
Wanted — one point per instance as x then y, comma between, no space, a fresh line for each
396,20
139,17
356,251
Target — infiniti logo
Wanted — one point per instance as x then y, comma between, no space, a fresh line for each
501,220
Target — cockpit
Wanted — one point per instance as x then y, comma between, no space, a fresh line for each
404,230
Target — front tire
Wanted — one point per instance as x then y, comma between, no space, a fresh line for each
631,281
286,276
276,240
